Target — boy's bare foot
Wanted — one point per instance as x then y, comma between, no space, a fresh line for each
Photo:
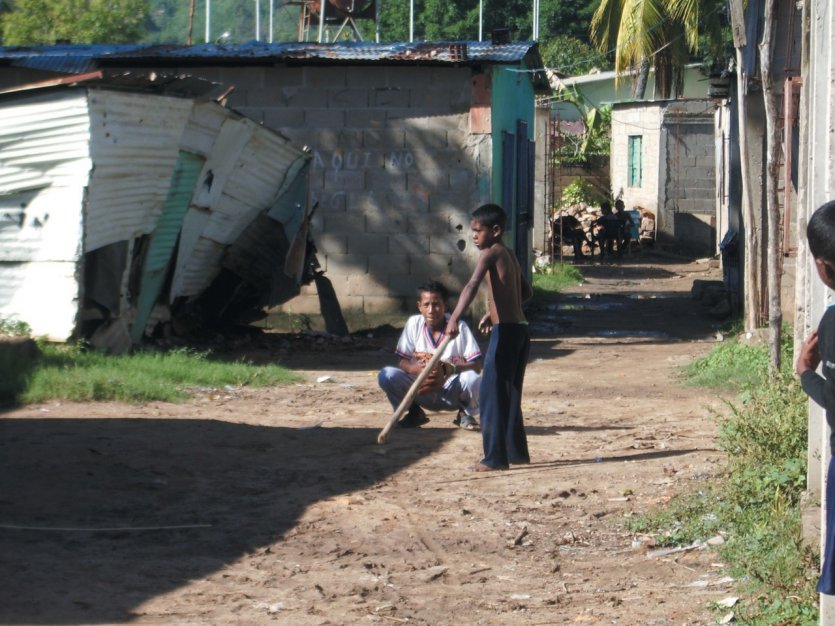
481,467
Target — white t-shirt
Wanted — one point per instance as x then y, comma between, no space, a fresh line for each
416,340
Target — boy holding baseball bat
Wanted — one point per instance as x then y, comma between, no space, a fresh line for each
502,430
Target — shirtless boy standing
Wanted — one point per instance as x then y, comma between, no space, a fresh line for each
502,431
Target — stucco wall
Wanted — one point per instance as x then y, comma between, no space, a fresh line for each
643,119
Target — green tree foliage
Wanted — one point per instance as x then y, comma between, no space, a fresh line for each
571,56
567,18
663,33
32,22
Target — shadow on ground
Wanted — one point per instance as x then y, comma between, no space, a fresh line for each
138,507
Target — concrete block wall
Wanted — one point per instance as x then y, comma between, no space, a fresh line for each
395,170
642,119
688,212
690,152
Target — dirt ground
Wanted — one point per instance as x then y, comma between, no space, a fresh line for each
259,506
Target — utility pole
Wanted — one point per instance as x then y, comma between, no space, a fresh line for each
775,312
191,8
257,20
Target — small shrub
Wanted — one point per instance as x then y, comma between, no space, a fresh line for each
579,191
14,328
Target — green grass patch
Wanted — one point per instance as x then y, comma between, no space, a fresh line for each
755,501
68,372
734,365
553,279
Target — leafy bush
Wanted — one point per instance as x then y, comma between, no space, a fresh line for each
572,56
595,141
14,328
578,191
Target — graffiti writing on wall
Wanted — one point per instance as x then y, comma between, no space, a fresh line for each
361,160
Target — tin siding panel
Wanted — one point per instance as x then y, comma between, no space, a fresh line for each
198,269
134,146
246,178
44,171
205,123
44,295
164,238
263,166
194,251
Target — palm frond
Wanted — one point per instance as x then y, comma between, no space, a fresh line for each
605,24
688,13
641,32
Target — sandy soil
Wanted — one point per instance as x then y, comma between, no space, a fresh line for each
259,506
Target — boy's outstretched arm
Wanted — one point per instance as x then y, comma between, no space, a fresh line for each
469,291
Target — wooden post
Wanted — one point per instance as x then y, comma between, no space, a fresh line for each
775,313
191,8
751,275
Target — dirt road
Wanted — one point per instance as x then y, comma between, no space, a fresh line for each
249,506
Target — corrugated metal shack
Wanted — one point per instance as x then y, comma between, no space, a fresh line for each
130,203
406,140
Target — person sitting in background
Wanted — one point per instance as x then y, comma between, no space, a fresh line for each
646,233
568,229
625,226
607,229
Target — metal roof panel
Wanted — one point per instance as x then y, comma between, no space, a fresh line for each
79,58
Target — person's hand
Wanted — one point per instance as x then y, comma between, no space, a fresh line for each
451,328
448,368
434,380
809,357
486,324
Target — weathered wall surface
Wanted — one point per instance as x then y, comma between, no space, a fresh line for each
396,172
678,168
688,200
639,119
816,186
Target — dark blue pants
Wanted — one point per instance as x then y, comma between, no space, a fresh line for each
502,430
826,583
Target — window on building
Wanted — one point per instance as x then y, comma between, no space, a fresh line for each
634,163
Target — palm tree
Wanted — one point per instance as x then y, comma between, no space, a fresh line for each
661,33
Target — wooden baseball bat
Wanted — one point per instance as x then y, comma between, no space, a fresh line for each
410,395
